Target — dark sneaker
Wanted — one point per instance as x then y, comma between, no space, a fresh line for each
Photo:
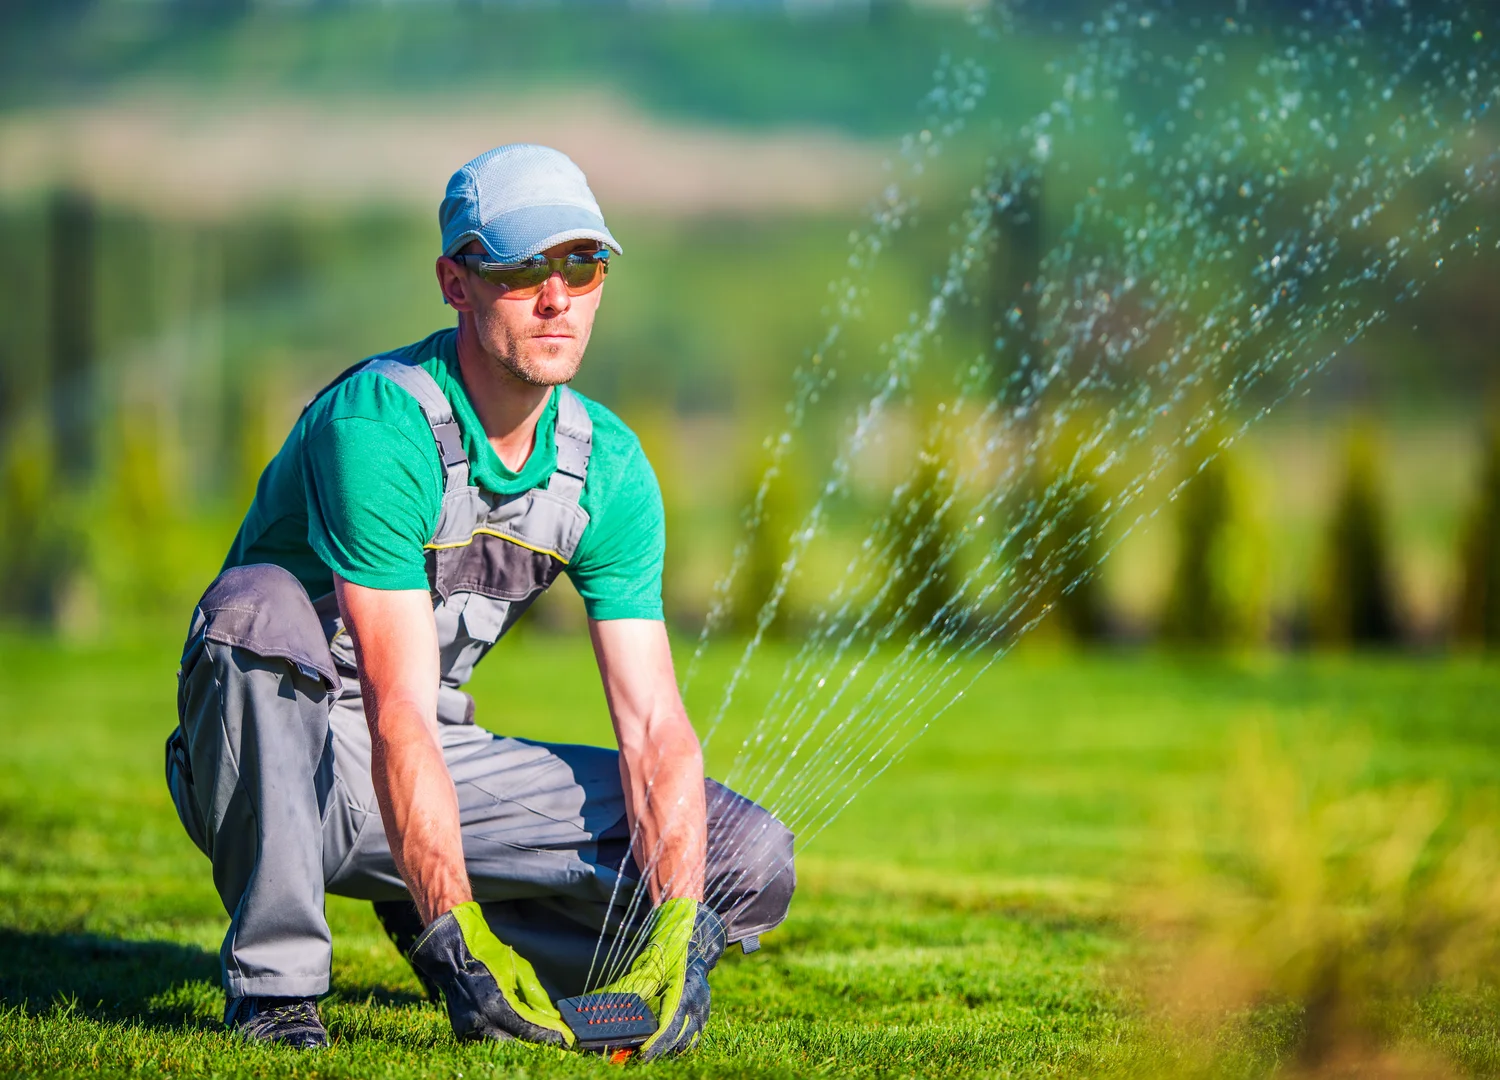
286,1021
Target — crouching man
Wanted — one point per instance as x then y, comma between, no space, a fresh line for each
418,507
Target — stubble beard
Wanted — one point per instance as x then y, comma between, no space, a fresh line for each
536,363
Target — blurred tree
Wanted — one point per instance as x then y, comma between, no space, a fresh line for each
1353,600
1217,595
922,572
1015,262
655,423
136,542
770,546
72,308
40,554
1478,610
248,408
1061,546
1198,609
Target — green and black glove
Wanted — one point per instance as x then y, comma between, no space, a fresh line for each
671,974
491,990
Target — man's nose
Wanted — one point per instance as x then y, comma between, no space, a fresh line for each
553,300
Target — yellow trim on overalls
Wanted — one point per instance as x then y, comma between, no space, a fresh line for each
502,536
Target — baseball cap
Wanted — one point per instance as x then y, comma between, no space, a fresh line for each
518,200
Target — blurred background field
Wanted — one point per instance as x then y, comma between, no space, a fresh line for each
207,211
1222,754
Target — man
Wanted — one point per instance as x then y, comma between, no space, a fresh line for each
416,510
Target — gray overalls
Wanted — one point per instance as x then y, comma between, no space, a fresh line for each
270,764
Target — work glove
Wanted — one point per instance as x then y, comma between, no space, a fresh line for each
671,974
491,990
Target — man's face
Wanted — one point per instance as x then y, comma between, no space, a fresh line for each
540,340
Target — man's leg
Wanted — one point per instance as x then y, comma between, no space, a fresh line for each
251,771
546,841
750,879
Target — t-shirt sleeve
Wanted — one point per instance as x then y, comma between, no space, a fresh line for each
617,567
372,500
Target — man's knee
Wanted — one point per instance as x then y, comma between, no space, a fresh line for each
751,868
253,699
264,610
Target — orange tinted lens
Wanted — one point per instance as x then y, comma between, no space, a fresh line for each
582,277
525,280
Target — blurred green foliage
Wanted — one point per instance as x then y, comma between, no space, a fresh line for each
1198,611
1061,543
41,549
923,578
1340,899
1353,595
1478,608
768,541
741,64
1217,593
228,325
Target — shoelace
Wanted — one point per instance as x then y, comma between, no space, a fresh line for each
301,1013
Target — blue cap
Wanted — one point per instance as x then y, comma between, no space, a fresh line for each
518,200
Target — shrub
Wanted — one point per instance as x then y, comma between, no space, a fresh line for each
1060,544
922,572
770,546
1217,594
1353,600
139,536
1315,890
40,553
1477,619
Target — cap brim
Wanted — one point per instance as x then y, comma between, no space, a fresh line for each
523,233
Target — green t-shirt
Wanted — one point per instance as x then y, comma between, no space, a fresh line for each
357,487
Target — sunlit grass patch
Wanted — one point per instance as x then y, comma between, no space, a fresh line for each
970,915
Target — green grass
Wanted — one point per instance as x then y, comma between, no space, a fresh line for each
966,916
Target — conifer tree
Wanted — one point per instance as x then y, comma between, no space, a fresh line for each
922,576
1198,607
1059,551
770,548
1477,619
1353,596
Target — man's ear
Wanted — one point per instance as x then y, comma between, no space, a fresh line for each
453,283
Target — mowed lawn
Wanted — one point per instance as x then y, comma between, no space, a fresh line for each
968,914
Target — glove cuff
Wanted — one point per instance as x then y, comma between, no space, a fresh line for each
440,949
709,937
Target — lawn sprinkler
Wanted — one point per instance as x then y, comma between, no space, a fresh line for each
608,1023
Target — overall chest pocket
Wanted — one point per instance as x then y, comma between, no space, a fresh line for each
492,566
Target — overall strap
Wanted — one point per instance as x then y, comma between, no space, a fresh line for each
575,442
445,430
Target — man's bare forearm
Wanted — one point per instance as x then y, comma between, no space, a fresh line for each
419,808
661,761
395,643
663,778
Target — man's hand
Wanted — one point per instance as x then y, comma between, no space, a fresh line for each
491,990
671,974
661,767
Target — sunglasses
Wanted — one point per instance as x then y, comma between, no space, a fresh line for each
582,272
